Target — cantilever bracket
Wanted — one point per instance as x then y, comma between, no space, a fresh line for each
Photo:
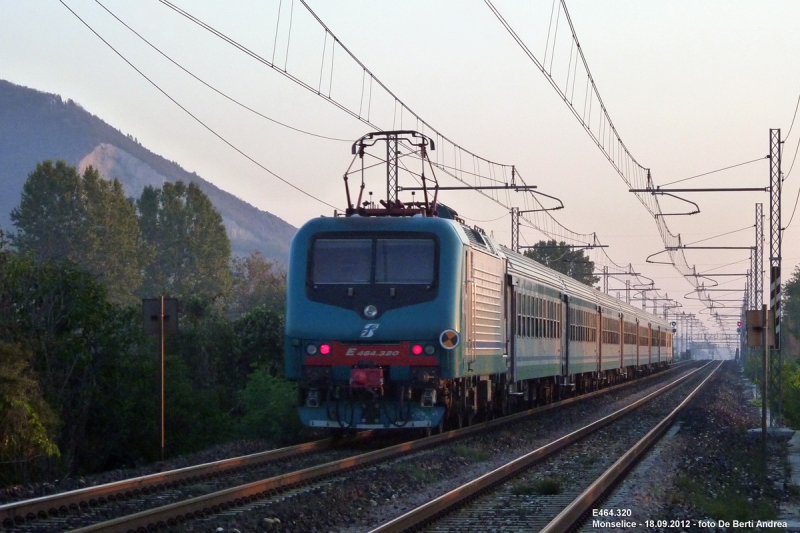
695,212
658,262
546,208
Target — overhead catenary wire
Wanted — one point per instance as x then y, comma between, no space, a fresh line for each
540,221
721,235
796,148
218,91
714,171
793,210
793,117
192,115
605,136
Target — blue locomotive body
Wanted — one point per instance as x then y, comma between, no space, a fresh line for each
375,295
401,316
401,322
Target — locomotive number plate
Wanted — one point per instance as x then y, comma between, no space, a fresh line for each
360,351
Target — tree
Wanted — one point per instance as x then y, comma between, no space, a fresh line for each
790,321
27,424
256,282
563,258
85,220
191,248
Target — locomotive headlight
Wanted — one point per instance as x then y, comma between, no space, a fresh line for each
370,311
429,349
311,349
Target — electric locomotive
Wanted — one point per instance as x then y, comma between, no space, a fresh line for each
401,316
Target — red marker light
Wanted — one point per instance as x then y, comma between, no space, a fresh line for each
325,349
739,324
416,349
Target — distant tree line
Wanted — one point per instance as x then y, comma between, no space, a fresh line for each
79,380
564,258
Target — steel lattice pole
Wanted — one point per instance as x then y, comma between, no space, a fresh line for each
775,244
515,229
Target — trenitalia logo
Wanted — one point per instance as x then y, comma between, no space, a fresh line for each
369,330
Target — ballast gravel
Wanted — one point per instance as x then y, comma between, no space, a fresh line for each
368,497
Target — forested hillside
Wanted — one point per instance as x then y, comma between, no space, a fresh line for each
36,126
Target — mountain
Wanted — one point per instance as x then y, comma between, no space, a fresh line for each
35,126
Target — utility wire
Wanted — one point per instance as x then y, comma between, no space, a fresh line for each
793,117
793,210
478,220
219,92
206,126
796,148
713,171
606,137
720,235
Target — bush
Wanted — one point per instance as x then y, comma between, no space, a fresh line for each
269,407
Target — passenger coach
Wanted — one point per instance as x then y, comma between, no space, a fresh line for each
401,316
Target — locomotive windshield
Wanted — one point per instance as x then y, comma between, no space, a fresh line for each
399,261
342,260
404,261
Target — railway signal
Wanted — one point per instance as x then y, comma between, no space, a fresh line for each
160,316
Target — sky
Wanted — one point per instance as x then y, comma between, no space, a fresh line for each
690,87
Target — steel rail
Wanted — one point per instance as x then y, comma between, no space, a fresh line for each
426,512
51,505
175,513
574,513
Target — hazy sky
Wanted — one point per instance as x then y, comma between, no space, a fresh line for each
690,86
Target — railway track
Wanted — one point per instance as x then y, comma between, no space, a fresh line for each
94,504
57,506
511,498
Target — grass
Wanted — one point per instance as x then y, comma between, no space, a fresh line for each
475,454
416,473
726,505
541,487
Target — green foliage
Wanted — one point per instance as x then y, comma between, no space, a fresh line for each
77,374
726,503
56,312
474,453
259,334
565,259
27,424
124,374
186,234
195,415
269,407
790,376
416,472
791,303
85,220
256,282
